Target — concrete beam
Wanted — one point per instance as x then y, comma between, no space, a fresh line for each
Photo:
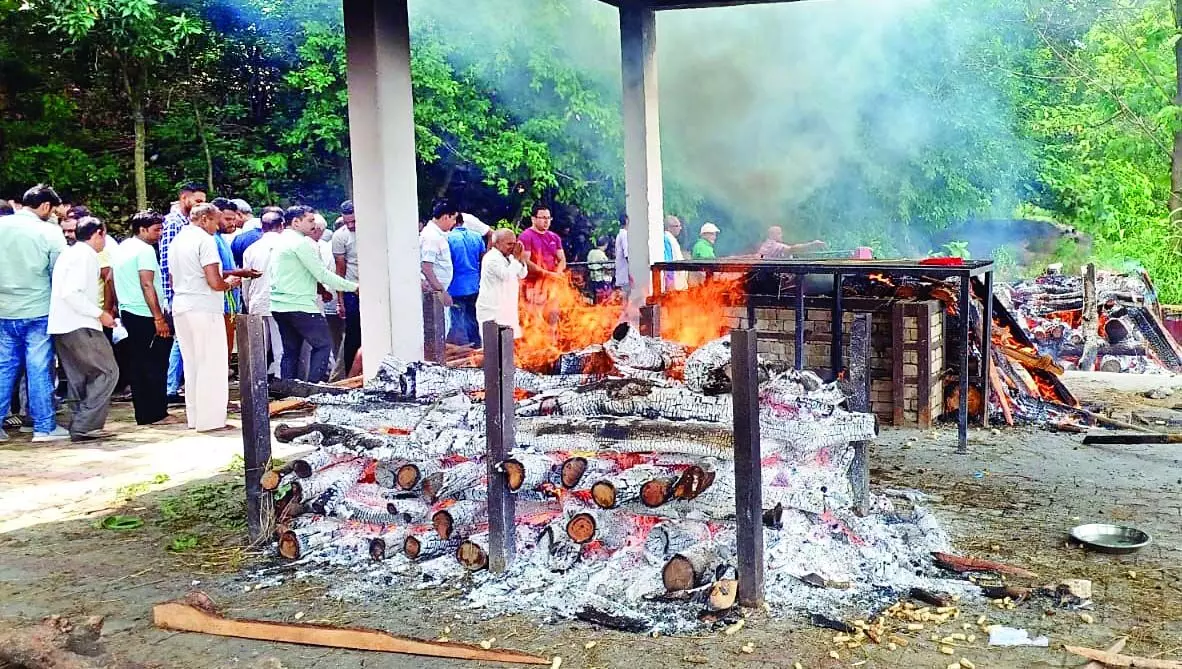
644,189
385,191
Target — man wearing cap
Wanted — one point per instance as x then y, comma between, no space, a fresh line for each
703,249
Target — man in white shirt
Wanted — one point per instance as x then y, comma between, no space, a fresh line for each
501,273
198,306
258,291
76,321
347,317
434,251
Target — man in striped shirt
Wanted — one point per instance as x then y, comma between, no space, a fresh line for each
191,195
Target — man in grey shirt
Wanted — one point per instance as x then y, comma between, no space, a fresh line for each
344,250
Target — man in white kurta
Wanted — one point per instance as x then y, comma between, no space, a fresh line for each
258,291
197,305
501,273
76,321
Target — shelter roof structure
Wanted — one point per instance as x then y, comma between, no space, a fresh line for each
385,189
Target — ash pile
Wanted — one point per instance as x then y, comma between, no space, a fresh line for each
1126,334
625,492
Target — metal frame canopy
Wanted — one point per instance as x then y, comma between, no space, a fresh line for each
381,120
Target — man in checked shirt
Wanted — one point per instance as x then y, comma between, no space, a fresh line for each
192,194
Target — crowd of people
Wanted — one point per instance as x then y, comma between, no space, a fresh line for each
83,315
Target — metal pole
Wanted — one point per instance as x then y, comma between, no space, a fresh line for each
434,328
650,320
748,472
835,328
256,422
799,352
859,385
987,348
500,438
962,411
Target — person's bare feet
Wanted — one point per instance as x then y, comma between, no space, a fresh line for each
170,420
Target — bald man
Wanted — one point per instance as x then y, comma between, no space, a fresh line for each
774,247
501,272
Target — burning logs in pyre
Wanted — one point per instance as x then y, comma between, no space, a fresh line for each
624,486
1103,320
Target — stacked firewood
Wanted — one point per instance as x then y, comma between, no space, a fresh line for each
636,462
1111,322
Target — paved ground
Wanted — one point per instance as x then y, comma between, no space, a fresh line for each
1012,499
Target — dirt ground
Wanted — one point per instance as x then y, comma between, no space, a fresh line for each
1011,499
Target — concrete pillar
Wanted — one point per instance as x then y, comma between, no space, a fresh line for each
381,119
644,191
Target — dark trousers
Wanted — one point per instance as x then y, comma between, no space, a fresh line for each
295,329
464,328
352,343
147,368
92,373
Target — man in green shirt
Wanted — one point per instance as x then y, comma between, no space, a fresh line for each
30,246
296,270
140,288
703,249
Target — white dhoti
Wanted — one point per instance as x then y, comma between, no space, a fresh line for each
202,337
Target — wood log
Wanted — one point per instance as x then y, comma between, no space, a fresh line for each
51,644
387,544
963,564
1114,648
694,481
572,471
774,517
724,591
933,598
1031,360
656,492
411,509
1003,398
309,464
273,478
473,553
1014,592
692,567
182,616
279,407
459,518
422,546
581,527
449,483
1093,439
1100,419
1118,660
527,471
611,492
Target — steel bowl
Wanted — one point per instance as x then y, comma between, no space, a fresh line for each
1107,538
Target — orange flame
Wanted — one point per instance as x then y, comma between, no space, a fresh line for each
556,318
881,278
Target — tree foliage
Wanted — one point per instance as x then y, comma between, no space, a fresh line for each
974,109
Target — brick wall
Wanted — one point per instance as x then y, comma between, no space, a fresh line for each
896,376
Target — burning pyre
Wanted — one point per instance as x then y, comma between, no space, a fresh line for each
625,490
1123,332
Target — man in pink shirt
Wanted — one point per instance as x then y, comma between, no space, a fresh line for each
545,259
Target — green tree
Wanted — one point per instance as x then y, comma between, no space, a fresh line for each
137,41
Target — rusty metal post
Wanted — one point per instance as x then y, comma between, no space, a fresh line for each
962,411
859,393
748,470
650,320
256,421
799,352
835,329
434,328
500,437
986,348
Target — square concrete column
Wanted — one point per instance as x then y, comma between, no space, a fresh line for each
644,190
385,193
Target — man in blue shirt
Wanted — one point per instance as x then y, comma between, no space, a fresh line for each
467,248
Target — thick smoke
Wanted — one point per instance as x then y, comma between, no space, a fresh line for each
831,118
